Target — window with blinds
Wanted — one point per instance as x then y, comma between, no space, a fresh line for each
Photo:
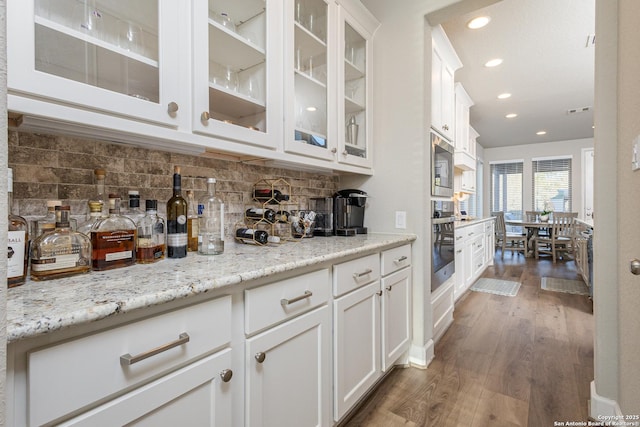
552,183
505,192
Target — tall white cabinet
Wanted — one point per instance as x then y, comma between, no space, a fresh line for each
444,63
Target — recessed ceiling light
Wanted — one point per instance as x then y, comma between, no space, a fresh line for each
311,108
511,116
504,96
493,62
478,22
542,132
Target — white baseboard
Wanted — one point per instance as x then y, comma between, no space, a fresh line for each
421,356
602,407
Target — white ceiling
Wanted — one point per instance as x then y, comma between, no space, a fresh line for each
548,68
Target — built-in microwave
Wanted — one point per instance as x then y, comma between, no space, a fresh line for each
441,166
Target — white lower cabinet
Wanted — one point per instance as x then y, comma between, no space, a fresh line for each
474,249
288,379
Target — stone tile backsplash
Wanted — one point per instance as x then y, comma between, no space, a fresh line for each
52,167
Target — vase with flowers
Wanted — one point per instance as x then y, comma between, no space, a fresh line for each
547,211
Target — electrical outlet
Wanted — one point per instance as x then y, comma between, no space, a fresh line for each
401,219
635,153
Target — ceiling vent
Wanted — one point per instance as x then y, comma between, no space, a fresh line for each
591,40
578,110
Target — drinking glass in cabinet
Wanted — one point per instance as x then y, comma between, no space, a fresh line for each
130,36
87,18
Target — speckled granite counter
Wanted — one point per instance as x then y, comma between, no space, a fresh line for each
466,223
37,308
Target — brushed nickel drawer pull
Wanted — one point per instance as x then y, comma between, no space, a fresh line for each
364,273
284,301
226,375
399,260
128,359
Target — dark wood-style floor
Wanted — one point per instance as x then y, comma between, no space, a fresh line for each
505,361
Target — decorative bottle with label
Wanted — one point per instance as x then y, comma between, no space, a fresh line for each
113,239
95,215
134,213
61,252
18,242
177,220
192,222
47,222
99,178
151,235
211,228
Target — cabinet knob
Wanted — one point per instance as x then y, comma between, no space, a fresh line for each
379,293
172,107
345,153
389,288
260,356
205,116
226,375
334,150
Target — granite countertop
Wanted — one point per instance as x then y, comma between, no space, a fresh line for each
37,308
467,222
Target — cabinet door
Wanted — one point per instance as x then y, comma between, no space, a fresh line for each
289,373
468,262
437,64
310,78
356,346
237,63
354,69
448,102
199,394
115,56
460,271
396,319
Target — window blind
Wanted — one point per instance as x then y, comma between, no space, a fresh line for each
505,192
552,184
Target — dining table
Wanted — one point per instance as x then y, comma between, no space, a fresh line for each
533,230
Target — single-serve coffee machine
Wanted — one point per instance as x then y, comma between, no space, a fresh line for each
348,212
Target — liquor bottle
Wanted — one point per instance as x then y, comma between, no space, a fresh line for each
113,239
18,240
259,213
192,222
251,235
61,252
99,178
133,212
177,220
269,195
95,215
151,235
46,222
211,227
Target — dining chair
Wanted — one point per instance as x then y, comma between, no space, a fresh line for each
562,236
508,241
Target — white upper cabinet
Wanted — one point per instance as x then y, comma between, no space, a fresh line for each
329,53
107,55
465,153
237,63
444,63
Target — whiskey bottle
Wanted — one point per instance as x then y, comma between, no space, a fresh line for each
48,222
61,252
113,239
177,220
151,235
192,222
18,242
133,212
211,227
99,178
95,215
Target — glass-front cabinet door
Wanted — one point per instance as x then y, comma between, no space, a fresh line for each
309,74
117,56
354,118
237,62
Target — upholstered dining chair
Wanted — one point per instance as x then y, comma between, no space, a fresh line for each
562,236
507,241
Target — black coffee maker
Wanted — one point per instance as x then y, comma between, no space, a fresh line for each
348,212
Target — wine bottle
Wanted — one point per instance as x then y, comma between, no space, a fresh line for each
266,194
250,235
259,213
177,219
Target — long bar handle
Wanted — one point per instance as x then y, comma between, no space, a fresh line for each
284,301
129,360
364,273
399,260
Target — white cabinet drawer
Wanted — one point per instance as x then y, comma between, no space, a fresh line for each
353,274
394,259
91,368
273,303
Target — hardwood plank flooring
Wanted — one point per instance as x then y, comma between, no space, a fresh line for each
505,361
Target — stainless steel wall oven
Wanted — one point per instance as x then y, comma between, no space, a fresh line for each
441,166
442,242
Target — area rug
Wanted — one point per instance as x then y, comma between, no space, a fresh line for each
567,286
496,286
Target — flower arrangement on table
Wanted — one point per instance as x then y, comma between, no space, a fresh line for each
548,210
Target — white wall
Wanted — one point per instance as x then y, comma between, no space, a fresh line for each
3,211
528,152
